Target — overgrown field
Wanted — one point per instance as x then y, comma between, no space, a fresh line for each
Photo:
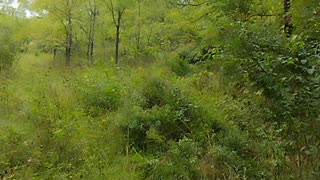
155,121
159,89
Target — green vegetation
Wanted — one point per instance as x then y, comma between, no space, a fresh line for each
162,89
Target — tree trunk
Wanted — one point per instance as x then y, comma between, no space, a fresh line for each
118,25
91,32
54,53
68,34
288,26
90,52
68,46
117,44
139,28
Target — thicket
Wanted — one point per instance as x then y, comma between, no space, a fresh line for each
152,124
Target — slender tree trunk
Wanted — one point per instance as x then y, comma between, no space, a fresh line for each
54,53
68,34
90,48
116,19
288,26
117,44
92,35
91,52
68,46
118,25
139,28
91,31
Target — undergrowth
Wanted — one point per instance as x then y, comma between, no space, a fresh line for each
163,121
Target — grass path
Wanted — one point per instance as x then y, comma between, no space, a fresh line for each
29,76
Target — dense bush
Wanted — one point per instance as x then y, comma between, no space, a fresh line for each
180,67
100,91
166,114
284,72
172,133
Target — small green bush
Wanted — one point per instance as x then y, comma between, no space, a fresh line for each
180,67
100,91
181,161
165,115
14,150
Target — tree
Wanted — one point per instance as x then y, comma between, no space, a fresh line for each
143,26
63,11
138,33
88,26
68,27
43,36
117,10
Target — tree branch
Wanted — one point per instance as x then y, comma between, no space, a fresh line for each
188,4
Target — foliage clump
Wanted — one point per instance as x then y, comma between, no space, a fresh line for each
180,67
8,44
100,91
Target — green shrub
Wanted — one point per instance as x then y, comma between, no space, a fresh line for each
169,129
155,92
180,67
165,115
15,153
100,91
181,161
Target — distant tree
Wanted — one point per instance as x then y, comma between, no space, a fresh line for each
8,44
44,36
117,9
88,25
63,11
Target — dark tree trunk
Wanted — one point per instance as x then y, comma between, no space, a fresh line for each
91,31
54,53
139,28
90,52
288,26
117,44
68,47
116,19
118,25
69,35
